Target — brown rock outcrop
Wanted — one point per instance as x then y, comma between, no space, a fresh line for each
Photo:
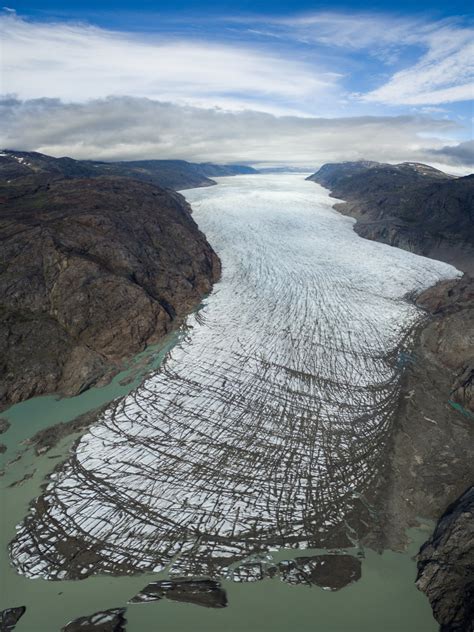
448,339
91,271
410,205
446,566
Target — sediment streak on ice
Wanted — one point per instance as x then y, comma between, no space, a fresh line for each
267,423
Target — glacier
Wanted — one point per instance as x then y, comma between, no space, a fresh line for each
268,424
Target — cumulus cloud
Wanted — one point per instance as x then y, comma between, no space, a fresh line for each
120,128
76,62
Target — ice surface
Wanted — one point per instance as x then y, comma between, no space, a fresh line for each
267,422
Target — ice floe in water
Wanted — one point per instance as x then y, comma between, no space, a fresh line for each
268,423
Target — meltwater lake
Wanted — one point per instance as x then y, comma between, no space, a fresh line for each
251,451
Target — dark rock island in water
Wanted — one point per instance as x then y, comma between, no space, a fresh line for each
112,620
10,617
200,592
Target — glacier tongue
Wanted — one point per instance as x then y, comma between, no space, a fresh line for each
267,423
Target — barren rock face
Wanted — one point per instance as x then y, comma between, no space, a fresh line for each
446,566
90,272
410,205
449,338
268,426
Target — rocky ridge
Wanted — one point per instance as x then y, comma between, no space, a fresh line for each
446,566
92,270
410,205
170,174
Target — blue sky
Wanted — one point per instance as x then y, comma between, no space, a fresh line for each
243,81
282,7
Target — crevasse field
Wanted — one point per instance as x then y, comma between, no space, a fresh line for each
268,425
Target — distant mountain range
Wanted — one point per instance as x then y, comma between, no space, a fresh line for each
409,205
170,174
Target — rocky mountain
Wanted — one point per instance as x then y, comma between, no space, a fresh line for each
170,174
410,205
446,566
91,271
369,177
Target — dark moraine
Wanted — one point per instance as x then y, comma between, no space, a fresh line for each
200,592
112,620
331,572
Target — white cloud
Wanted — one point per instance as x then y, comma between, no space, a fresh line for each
356,31
441,66
76,62
229,102
444,74
136,128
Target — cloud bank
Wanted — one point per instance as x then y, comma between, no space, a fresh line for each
461,154
276,91
120,128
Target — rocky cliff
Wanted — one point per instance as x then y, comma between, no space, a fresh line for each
91,271
409,205
446,566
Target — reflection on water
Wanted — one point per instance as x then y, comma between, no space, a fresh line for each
267,426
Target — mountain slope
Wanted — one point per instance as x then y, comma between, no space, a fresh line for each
91,271
170,174
410,205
